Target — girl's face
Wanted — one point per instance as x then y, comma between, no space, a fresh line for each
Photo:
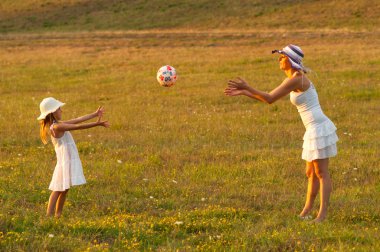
58,114
284,62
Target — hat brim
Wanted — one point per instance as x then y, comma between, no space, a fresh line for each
43,115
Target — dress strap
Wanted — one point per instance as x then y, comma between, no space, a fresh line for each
301,79
51,129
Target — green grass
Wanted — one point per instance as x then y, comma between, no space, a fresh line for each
198,170
84,15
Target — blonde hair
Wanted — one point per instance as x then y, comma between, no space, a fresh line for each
45,127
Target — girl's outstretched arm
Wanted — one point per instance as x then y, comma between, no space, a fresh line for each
283,89
98,113
62,127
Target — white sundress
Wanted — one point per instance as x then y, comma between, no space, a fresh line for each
68,170
319,140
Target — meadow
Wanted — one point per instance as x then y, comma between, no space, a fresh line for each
186,168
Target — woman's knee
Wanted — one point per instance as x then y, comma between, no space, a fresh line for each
321,168
62,193
309,170
320,174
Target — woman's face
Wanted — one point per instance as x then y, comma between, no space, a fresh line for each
284,62
58,114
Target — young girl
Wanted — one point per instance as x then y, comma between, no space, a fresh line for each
320,137
68,170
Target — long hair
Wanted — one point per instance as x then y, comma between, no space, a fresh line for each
45,127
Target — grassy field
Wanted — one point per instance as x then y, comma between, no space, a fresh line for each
95,15
186,168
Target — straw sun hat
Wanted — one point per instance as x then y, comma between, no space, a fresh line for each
49,105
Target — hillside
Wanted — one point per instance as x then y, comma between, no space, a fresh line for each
86,15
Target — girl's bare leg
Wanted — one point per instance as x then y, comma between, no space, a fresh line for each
52,202
60,203
312,189
321,170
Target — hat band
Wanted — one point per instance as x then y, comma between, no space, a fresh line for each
296,61
294,49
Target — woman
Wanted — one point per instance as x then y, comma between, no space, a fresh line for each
320,137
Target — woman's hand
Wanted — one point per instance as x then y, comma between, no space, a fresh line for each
239,84
233,91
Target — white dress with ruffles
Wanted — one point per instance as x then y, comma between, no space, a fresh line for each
320,137
68,170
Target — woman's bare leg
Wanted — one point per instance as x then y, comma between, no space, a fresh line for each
52,203
312,189
60,203
321,170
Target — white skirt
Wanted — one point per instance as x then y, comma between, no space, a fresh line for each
68,170
320,141
66,175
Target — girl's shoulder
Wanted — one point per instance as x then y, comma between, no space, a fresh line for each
54,130
54,125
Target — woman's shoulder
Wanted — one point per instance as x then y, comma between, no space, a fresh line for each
302,83
297,74
295,78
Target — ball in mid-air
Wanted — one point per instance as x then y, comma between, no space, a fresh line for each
166,76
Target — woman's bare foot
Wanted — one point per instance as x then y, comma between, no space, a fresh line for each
306,217
305,212
319,219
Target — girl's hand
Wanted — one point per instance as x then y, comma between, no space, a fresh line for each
105,124
233,91
239,84
100,111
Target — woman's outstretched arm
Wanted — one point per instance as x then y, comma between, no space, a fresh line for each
241,86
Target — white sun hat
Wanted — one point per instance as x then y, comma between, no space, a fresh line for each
294,54
49,105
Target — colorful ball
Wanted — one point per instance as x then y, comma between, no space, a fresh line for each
166,76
